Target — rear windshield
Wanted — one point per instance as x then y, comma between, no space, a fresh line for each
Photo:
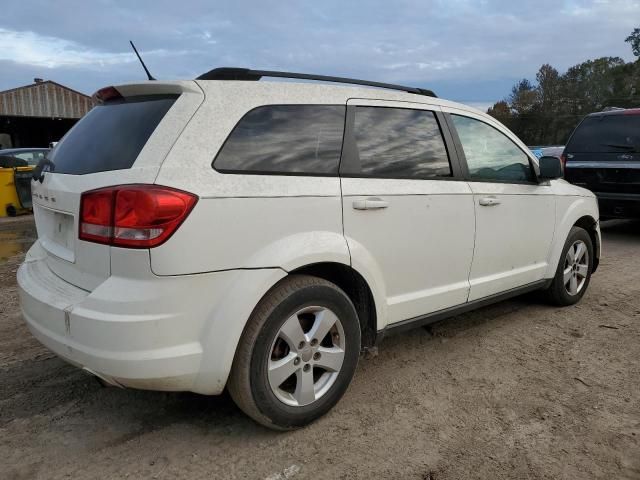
110,136
606,134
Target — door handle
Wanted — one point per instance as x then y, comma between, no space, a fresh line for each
489,201
371,203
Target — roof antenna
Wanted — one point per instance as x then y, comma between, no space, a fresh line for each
149,76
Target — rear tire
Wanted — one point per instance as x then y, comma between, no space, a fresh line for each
574,269
297,354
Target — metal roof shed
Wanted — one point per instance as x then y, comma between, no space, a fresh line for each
34,115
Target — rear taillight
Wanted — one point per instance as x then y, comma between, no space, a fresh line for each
96,216
134,216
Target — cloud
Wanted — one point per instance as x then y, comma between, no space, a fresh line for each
436,65
464,49
29,48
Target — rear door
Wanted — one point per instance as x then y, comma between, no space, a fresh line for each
603,154
408,219
515,216
120,141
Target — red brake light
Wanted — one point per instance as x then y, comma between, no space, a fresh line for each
135,216
106,94
563,161
95,215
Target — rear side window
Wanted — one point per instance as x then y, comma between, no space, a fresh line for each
110,136
606,134
285,139
400,143
490,154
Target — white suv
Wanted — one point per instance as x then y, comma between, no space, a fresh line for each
227,232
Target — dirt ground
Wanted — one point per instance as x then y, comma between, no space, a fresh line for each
516,390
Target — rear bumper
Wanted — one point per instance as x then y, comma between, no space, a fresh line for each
618,205
139,350
169,333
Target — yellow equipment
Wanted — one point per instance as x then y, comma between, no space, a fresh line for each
15,190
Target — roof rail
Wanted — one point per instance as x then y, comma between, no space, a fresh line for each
230,73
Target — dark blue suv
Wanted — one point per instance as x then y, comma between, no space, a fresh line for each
603,155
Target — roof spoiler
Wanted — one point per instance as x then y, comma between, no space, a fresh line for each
230,73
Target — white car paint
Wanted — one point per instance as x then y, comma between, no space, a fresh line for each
406,243
511,248
170,318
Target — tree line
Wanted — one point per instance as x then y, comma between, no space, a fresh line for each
547,111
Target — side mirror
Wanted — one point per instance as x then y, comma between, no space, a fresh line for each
550,168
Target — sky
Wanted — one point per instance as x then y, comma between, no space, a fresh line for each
467,51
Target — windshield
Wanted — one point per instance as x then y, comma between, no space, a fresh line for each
606,134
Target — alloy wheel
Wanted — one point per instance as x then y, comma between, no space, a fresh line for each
576,267
306,356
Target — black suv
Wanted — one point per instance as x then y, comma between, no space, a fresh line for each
603,155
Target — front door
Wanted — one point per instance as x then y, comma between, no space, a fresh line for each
408,219
515,215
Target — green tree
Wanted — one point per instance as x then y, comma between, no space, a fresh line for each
501,111
524,105
546,112
523,97
634,41
548,98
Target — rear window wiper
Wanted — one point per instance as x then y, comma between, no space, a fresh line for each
39,171
625,146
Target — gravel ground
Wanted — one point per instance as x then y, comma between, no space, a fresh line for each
516,390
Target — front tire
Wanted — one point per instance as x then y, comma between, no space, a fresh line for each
297,355
574,269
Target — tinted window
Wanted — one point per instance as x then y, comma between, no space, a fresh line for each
606,133
490,154
305,139
400,143
110,136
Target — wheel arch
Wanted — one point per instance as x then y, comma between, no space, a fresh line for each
573,211
590,224
356,288
220,354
